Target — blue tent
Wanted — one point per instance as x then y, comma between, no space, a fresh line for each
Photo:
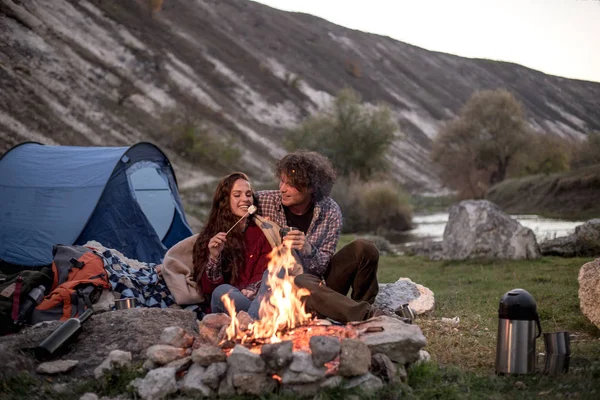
126,198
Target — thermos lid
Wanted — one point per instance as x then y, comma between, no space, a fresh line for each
518,304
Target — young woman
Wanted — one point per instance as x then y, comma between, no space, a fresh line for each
232,263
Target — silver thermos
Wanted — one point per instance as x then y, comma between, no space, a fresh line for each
517,321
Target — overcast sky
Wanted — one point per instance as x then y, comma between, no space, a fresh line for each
558,37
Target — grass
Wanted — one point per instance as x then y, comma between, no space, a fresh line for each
463,355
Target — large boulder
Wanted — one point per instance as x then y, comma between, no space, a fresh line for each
479,229
133,330
584,242
589,291
405,291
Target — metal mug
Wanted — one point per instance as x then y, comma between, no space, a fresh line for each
558,352
124,304
405,312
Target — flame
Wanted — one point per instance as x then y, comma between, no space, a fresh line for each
283,310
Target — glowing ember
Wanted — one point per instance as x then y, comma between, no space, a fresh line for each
282,311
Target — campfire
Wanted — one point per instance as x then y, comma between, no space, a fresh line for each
282,314
286,350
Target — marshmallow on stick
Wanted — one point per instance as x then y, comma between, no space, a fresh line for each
251,210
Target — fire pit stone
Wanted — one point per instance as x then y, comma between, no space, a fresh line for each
175,336
277,356
207,355
163,353
355,358
324,349
243,360
193,383
302,370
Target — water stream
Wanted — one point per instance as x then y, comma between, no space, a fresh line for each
431,227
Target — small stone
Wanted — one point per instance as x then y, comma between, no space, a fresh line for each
176,337
302,370
423,357
149,364
158,384
520,385
89,396
208,335
384,368
56,367
253,383
192,382
355,358
332,382
213,374
216,320
243,360
277,355
367,382
164,354
206,355
181,364
115,357
244,319
324,349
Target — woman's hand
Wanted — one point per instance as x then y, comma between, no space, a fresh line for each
248,293
216,245
297,240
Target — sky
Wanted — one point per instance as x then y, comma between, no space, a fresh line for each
558,37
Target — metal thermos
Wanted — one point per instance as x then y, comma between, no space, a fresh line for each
558,352
517,321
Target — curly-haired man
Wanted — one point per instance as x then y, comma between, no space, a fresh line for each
302,202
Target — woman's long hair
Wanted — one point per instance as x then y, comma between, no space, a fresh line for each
221,219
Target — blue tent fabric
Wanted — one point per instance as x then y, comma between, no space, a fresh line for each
69,195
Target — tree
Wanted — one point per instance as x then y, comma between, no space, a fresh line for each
475,150
356,138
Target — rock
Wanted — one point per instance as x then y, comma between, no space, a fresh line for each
584,242
383,245
302,370
180,365
56,367
213,374
302,390
332,382
163,353
479,229
404,291
399,341
384,368
255,384
157,384
226,388
324,349
115,357
424,356
244,319
176,337
427,248
89,396
277,355
367,382
206,355
243,360
216,320
207,335
589,291
192,382
355,358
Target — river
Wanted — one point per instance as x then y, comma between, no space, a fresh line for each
431,227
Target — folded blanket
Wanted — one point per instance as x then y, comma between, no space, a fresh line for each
177,270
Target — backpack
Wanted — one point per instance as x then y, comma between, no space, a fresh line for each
13,293
79,279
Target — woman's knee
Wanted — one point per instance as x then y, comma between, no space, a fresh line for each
219,292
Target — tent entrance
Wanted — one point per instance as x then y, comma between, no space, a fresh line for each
151,190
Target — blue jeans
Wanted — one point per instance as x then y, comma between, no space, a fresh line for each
241,302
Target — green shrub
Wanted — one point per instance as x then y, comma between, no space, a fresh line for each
356,139
372,207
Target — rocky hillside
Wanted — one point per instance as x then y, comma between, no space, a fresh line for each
109,72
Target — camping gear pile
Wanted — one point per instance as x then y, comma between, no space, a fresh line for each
54,199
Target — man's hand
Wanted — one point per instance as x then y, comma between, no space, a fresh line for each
248,293
297,240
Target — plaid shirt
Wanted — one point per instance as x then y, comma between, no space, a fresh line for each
323,233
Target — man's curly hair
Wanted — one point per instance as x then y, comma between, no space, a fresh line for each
307,170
